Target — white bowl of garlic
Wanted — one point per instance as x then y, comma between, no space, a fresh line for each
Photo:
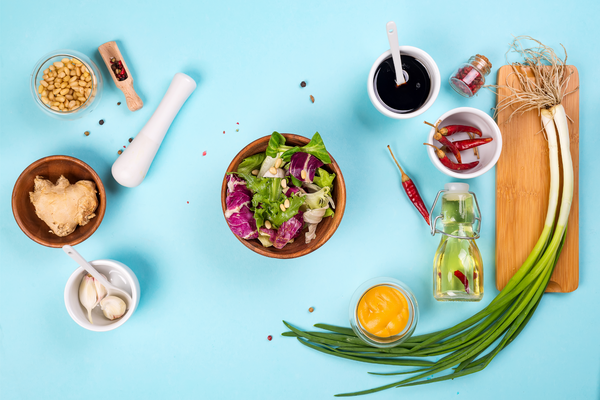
80,292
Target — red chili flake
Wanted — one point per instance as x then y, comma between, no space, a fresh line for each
188,202
269,338
237,123
124,147
463,279
223,132
204,153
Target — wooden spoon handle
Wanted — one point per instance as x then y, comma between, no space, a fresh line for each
133,100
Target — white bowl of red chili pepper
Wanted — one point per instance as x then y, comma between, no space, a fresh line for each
460,146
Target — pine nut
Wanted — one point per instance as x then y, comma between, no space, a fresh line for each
60,98
272,170
56,91
72,79
268,224
44,84
51,96
65,84
72,103
282,207
303,174
61,75
69,97
61,106
52,68
66,78
59,64
40,89
45,93
45,100
65,60
46,71
278,162
255,172
284,184
82,83
286,203
50,87
64,91
55,108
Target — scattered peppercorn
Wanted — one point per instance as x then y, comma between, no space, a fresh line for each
86,133
130,140
118,69
120,152
269,338
311,309
237,130
119,103
312,98
101,122
302,84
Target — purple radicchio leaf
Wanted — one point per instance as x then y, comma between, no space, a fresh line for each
238,215
306,162
271,232
235,183
292,189
299,217
243,224
286,232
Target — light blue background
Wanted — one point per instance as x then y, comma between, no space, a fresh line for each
208,304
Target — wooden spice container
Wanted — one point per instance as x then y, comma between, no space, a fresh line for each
110,51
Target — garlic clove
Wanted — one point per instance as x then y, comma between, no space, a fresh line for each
88,295
113,307
100,291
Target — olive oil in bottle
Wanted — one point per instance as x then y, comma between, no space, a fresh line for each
457,266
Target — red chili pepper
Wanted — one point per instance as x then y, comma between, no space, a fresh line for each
470,143
448,163
452,129
450,145
463,279
412,192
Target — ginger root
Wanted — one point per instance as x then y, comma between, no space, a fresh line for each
64,206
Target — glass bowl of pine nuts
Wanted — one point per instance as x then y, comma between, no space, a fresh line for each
66,84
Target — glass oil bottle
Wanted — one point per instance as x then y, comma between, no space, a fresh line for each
457,266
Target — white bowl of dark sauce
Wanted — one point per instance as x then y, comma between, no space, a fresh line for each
412,98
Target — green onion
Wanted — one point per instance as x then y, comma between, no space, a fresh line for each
467,347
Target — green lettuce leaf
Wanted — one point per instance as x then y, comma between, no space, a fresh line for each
324,178
251,163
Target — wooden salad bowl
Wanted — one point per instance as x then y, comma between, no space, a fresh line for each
52,168
326,227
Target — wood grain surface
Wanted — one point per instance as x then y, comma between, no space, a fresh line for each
109,50
522,187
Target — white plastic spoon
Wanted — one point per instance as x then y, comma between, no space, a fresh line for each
392,35
110,289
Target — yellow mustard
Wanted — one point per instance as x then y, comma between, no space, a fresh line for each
383,311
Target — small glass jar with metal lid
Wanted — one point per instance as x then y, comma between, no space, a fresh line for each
470,77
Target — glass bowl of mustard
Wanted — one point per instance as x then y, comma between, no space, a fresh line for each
383,312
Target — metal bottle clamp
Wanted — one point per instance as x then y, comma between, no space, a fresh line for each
433,223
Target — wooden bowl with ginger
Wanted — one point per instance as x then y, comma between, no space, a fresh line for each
52,168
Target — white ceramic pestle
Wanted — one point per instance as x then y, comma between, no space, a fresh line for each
131,167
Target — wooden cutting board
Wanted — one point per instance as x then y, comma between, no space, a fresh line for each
522,187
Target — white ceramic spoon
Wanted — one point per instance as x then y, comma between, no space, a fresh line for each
110,289
392,35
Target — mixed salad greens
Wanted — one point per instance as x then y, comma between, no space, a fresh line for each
273,195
